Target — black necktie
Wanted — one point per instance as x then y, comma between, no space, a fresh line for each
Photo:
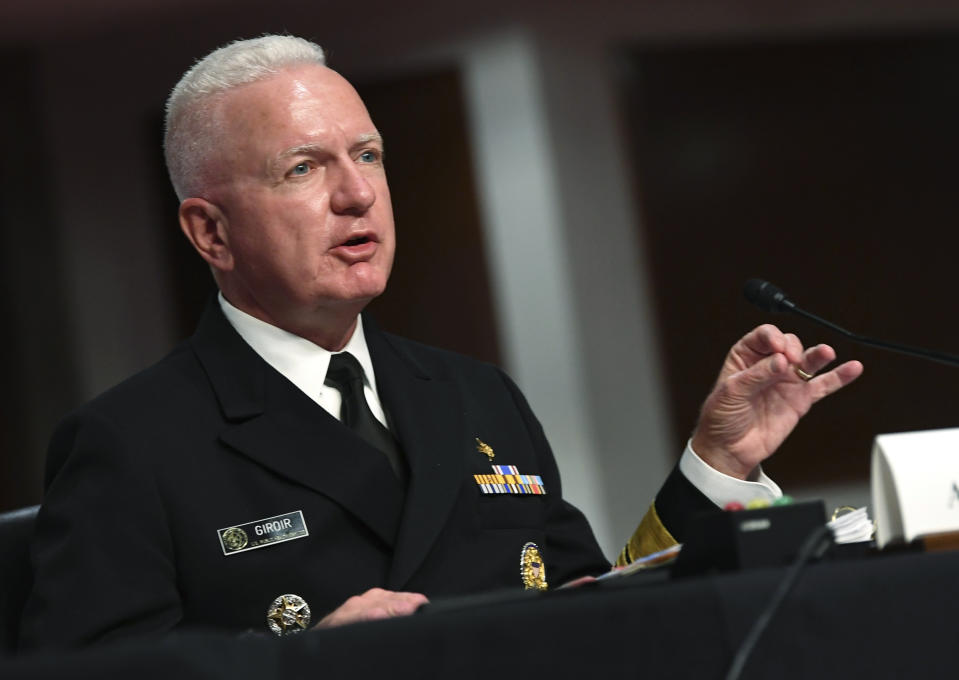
346,375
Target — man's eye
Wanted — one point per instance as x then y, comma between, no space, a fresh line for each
369,156
300,169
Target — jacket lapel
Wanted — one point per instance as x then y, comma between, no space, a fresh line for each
273,423
426,415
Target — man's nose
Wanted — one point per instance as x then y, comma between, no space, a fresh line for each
352,193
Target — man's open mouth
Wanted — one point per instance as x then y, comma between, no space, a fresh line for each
358,241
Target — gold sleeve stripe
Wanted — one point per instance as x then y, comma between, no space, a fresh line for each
650,536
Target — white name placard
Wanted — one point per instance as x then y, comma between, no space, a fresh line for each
915,484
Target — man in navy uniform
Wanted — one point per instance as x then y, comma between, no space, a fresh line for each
291,457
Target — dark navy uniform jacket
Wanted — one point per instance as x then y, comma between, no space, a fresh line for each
141,480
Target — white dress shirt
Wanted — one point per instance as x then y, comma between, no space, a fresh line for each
305,363
722,489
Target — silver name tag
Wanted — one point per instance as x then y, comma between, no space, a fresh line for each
262,532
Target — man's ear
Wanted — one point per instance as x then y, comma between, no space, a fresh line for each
205,225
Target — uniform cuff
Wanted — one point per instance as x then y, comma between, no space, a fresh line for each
650,536
722,489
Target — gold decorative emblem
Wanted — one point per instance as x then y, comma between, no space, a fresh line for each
484,448
235,538
532,569
288,614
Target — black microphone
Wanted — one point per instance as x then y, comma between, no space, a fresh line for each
766,296
769,298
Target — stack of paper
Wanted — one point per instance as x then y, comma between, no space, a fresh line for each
853,527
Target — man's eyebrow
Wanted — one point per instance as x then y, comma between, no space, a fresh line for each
277,161
369,137
300,149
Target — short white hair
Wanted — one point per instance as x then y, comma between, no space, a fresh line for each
191,124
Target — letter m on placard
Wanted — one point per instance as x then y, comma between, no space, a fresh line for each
953,495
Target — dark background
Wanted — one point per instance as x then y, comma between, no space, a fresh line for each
826,166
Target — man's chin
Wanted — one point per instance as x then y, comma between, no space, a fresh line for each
369,285
359,296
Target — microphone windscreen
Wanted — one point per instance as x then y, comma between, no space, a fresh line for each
766,296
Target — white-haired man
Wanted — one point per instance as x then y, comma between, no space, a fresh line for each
220,488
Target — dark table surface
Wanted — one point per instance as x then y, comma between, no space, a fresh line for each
881,616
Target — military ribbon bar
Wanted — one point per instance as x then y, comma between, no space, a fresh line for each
508,480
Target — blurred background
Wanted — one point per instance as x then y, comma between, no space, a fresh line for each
580,190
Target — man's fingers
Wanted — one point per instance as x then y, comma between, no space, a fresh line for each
404,604
764,340
777,368
396,604
816,358
793,348
373,605
758,376
837,378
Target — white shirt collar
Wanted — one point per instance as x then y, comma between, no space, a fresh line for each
300,361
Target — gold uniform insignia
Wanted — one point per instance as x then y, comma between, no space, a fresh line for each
485,448
532,569
288,614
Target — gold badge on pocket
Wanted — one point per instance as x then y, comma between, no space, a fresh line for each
532,569
288,614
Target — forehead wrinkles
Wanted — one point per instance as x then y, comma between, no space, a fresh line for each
254,123
335,113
